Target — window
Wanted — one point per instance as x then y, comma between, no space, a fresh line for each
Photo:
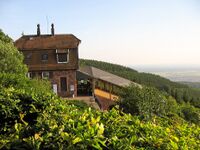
45,75
29,75
27,59
101,85
44,57
107,87
62,56
28,56
63,84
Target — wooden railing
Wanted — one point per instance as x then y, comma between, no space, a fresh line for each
105,94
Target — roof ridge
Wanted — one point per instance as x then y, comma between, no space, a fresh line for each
49,35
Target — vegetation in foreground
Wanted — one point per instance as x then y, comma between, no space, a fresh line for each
32,117
37,119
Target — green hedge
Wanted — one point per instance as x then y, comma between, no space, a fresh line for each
62,125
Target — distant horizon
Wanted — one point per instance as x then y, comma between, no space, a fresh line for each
157,67
174,66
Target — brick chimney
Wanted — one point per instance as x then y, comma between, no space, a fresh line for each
52,29
38,29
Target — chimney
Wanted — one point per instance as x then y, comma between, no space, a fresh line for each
38,29
52,29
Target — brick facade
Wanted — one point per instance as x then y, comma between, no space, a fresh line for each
71,82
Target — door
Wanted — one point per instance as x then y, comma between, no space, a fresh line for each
63,84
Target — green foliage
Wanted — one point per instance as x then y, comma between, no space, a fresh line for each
142,101
77,103
65,126
106,66
11,58
21,98
149,102
34,118
5,38
21,82
190,113
172,107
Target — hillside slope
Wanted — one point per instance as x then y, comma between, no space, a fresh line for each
180,91
191,84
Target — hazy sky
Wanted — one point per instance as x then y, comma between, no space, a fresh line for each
128,32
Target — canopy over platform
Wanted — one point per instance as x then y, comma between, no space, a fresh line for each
96,73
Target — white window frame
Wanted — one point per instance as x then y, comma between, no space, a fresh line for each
29,74
64,61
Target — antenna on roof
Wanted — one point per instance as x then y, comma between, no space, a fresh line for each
47,19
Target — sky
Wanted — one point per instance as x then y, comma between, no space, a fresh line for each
126,32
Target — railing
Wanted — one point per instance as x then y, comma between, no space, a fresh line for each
105,94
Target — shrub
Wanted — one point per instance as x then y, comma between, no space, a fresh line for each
22,82
64,126
190,113
172,107
21,99
144,101
35,119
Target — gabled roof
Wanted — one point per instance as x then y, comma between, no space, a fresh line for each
57,41
105,76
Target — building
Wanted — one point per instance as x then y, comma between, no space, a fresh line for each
103,85
52,56
55,57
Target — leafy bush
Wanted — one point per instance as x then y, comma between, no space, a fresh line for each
77,103
22,82
64,126
35,119
20,98
173,109
142,101
190,113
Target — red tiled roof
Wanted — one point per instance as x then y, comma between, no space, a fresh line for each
58,41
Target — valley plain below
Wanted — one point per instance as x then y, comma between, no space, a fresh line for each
177,74
186,76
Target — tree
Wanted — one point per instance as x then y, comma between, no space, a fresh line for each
178,95
11,58
186,96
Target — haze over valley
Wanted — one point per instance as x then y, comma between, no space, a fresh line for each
174,73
